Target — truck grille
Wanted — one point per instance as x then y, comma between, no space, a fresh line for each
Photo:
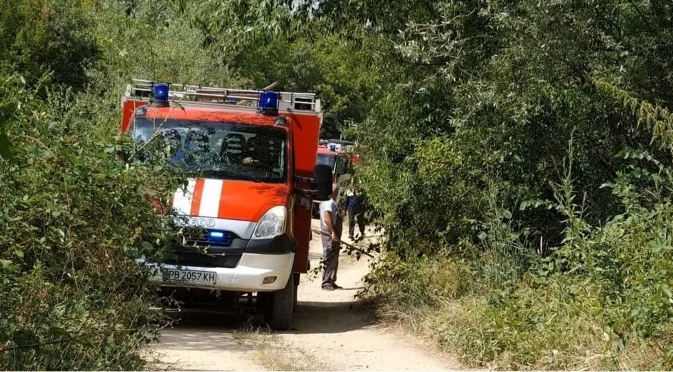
200,237
229,261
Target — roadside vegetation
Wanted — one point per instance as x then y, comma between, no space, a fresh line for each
520,155
518,158
74,217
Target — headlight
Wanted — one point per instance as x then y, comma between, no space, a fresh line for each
272,224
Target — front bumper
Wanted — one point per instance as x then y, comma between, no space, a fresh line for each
247,276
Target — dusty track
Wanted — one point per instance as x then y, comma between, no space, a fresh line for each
328,333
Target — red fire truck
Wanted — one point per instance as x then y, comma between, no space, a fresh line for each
247,205
334,154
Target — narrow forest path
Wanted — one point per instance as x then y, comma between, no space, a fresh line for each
327,334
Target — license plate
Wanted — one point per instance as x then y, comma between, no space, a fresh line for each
189,276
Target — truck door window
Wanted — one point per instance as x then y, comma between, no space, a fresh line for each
327,159
219,150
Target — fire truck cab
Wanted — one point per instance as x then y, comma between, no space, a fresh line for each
252,179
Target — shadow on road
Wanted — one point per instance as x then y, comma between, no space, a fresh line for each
201,327
329,317
204,331
201,339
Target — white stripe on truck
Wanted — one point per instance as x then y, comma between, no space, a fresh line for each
210,198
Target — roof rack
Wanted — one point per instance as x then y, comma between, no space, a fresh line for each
227,97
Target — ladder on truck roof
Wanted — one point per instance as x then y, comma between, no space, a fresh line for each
339,145
222,97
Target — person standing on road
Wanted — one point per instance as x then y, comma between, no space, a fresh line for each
331,225
354,201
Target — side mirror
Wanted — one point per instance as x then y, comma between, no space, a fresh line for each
321,183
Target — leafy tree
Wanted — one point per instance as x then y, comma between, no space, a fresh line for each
40,36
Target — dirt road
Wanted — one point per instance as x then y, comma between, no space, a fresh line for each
328,334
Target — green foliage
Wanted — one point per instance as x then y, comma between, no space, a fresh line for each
478,105
74,218
157,41
45,35
464,111
74,221
12,98
305,58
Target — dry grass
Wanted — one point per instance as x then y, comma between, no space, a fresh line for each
275,354
461,328
156,362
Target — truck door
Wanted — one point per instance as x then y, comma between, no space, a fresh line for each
305,135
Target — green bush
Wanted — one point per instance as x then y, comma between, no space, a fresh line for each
477,104
600,301
41,36
74,220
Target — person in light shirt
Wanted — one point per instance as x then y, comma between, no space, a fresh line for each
331,225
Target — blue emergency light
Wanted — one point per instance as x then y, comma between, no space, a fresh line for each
160,93
332,147
216,235
268,102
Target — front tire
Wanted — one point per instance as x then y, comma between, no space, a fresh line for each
279,306
296,291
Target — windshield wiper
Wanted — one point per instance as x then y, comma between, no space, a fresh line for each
228,174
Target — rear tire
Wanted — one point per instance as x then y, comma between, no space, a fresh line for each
279,306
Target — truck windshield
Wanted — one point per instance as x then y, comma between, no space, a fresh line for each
221,150
327,160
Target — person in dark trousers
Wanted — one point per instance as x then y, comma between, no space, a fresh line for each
354,206
331,226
